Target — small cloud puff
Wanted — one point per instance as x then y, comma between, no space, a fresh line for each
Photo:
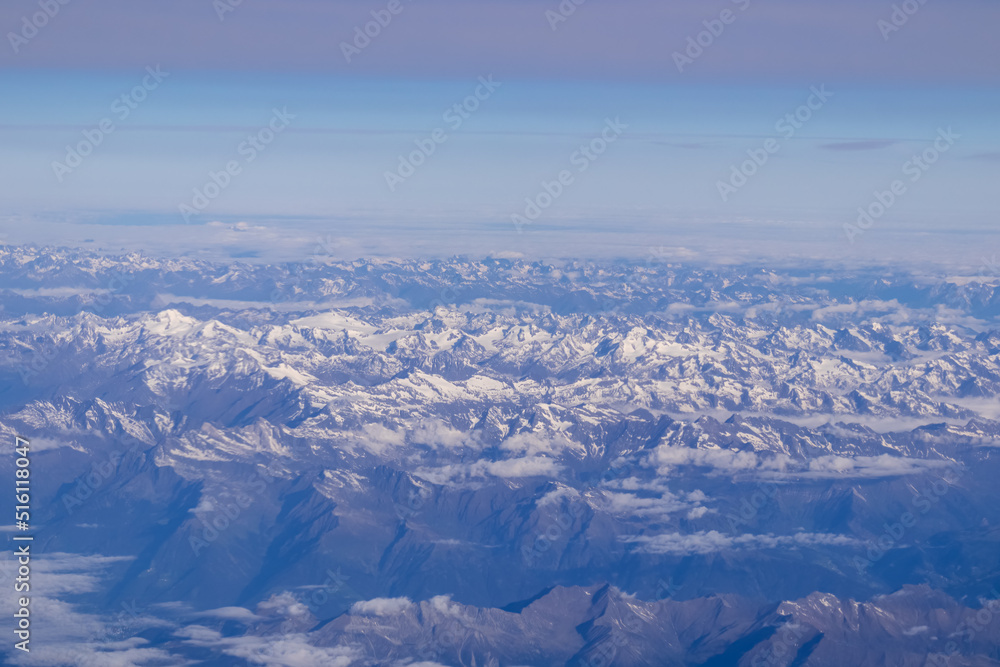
531,466
442,604
436,434
557,496
284,605
382,607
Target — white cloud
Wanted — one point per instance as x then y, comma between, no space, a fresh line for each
632,505
63,636
442,604
231,614
291,650
667,456
557,495
376,439
382,607
284,605
532,444
884,465
530,466
436,433
712,541
781,466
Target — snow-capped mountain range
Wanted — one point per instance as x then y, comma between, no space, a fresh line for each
499,462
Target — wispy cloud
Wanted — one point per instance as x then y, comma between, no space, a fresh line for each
861,145
701,542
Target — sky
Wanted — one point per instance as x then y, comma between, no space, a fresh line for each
516,126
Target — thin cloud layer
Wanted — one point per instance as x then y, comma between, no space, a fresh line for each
631,38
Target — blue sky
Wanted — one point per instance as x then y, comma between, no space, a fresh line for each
889,93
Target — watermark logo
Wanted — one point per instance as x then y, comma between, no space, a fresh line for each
582,158
787,126
562,13
122,108
248,150
900,16
31,25
714,28
455,116
363,35
914,168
